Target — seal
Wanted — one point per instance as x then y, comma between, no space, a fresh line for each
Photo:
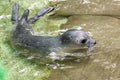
22,37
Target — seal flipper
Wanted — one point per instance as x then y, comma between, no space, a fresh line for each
42,12
24,17
15,10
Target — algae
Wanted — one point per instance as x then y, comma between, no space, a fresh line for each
18,67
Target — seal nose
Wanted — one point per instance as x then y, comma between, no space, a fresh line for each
94,43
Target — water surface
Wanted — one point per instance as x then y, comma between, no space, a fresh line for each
105,63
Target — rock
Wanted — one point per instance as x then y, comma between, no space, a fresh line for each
91,7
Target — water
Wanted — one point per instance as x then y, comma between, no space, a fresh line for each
104,64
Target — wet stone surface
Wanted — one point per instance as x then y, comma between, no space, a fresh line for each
94,7
105,63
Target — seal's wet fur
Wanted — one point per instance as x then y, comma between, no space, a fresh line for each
21,35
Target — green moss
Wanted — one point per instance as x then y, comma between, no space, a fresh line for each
19,68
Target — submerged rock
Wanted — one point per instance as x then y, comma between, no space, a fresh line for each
105,29
93,7
105,64
90,21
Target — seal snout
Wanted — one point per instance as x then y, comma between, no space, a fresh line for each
91,43
94,43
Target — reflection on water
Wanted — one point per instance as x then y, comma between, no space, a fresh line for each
105,64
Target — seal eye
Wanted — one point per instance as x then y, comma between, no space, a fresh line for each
84,41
